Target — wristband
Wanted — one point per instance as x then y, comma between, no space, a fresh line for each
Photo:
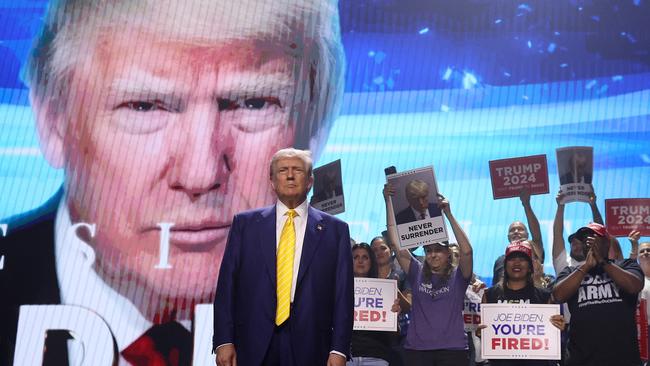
579,269
605,261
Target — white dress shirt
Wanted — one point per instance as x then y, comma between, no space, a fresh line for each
418,214
80,285
300,225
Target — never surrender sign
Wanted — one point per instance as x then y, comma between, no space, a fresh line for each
415,204
510,176
520,331
626,214
373,299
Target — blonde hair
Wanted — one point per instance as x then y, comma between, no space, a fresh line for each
304,155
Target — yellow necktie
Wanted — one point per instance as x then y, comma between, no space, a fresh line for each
284,271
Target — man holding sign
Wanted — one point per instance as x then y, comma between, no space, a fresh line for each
602,298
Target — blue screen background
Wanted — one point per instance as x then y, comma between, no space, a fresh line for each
452,85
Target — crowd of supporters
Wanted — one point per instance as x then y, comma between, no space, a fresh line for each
598,288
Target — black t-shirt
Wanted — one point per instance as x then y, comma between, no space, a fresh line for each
603,327
367,343
527,295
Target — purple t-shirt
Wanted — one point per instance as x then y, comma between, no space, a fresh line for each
437,311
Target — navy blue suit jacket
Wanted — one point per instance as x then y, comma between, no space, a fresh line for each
321,317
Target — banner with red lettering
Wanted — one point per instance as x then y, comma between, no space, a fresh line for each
472,309
510,176
626,214
373,299
520,331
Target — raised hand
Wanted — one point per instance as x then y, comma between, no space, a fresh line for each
389,190
524,196
634,237
443,204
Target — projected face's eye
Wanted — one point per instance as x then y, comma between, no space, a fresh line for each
252,114
139,114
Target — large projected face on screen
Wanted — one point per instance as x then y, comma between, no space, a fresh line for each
149,142
163,117
170,125
158,119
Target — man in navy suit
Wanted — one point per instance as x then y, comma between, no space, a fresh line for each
319,325
417,195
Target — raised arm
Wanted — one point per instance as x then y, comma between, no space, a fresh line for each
558,227
465,261
625,280
558,231
595,213
568,286
634,237
533,222
404,257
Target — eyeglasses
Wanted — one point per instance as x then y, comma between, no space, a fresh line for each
361,245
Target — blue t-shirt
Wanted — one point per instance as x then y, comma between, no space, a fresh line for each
437,311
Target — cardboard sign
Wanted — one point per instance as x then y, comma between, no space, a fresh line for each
520,331
328,188
415,204
510,176
575,167
472,309
623,215
373,299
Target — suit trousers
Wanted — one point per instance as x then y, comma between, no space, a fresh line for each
280,351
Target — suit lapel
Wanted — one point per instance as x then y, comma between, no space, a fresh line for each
267,242
313,234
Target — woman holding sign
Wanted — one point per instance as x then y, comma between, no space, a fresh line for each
518,286
436,334
369,348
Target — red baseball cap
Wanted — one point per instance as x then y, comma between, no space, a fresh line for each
521,246
591,228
